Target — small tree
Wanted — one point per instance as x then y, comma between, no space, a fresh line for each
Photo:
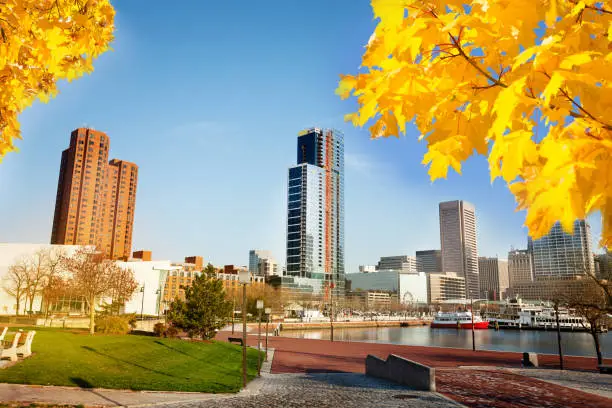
92,276
205,308
122,289
15,282
592,302
36,276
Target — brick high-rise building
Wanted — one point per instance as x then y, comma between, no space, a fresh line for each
96,198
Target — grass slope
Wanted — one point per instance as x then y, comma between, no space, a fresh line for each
131,362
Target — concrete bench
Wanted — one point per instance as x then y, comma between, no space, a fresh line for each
402,371
235,340
605,368
530,360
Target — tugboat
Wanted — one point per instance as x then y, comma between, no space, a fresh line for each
458,320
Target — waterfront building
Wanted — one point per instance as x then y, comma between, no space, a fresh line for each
182,276
152,276
413,288
547,288
520,267
367,268
371,300
429,260
262,263
409,287
494,280
559,254
603,265
401,263
13,253
315,211
458,243
444,286
96,199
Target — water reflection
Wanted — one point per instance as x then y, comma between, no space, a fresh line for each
576,344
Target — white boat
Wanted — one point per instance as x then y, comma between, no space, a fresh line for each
458,320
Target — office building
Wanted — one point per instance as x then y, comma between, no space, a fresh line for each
458,243
520,269
367,268
444,286
96,199
549,288
402,263
603,265
559,254
494,280
262,263
315,210
429,261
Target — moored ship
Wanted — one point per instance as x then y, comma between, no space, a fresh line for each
458,320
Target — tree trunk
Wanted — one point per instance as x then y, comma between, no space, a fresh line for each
597,347
17,305
92,315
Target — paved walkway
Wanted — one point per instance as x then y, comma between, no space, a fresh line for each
93,397
481,387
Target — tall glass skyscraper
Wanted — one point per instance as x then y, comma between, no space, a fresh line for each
315,210
558,254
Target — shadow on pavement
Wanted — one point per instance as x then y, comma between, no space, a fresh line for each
82,383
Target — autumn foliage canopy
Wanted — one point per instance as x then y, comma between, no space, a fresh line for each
526,83
41,42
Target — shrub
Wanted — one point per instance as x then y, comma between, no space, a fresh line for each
159,329
131,319
113,325
171,332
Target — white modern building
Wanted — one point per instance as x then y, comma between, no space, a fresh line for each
262,263
151,277
412,288
409,287
13,253
400,263
367,268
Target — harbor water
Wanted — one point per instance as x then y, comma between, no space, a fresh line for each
573,343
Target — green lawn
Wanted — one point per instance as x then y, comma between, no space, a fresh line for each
130,362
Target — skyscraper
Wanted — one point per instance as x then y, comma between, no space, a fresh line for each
519,267
95,199
558,254
493,276
458,243
315,210
429,261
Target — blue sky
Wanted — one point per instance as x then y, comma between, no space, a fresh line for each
207,98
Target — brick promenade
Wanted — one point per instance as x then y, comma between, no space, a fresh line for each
473,388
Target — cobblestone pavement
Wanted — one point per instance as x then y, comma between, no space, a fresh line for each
504,389
322,390
594,383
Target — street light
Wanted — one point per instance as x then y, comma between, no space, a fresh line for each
244,278
260,306
268,313
142,290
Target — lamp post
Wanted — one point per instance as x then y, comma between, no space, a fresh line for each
142,302
473,337
244,278
158,293
260,306
268,313
233,312
331,310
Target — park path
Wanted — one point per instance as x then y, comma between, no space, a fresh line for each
94,397
483,387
